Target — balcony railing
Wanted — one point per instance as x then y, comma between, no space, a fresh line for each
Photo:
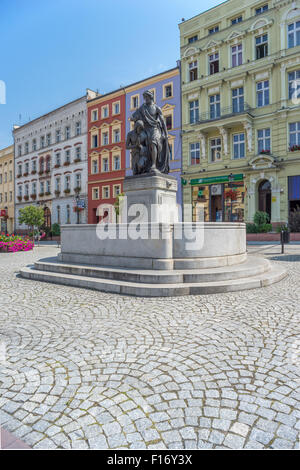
224,113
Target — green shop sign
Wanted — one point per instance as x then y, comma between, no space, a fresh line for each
217,179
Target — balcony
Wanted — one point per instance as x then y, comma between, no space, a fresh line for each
225,113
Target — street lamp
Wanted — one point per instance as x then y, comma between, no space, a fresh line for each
231,180
77,199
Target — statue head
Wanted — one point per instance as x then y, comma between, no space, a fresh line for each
139,126
148,96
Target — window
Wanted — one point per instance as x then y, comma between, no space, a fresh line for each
294,129
26,191
78,180
58,161
168,91
26,147
67,182
105,192
193,71
42,141
78,153
48,139
105,165
117,190
238,100
294,34
194,111
95,193
34,188
214,106
215,150
48,187
117,163
42,188
10,175
10,196
78,128
261,44
67,133
236,20
19,150
57,184
213,30
262,93
116,108
104,112
263,140
19,170
94,141
116,135
68,156
95,166
236,55
25,173
239,146
20,191
195,153
105,140
68,214
193,39
58,214
57,135
213,63
94,115
262,9
5,174
34,146
294,84
134,102
48,165
169,122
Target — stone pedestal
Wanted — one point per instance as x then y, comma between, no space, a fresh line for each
153,196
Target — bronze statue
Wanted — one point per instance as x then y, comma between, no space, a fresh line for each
148,141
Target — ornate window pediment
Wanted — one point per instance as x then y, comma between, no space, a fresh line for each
168,107
260,23
263,161
190,51
235,35
212,45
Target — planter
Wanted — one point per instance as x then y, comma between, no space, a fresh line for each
26,198
25,174
33,196
67,191
19,198
33,172
41,173
77,160
57,193
66,163
41,194
56,166
19,176
47,194
294,148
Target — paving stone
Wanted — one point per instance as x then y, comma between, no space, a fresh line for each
233,441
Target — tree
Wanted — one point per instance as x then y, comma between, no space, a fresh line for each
32,216
118,204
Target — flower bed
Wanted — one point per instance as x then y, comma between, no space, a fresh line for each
14,243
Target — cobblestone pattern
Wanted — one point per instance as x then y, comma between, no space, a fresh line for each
84,369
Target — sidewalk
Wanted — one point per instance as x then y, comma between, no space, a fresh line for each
10,442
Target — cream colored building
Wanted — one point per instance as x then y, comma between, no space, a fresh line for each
7,206
241,115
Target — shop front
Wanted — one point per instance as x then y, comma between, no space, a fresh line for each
222,198
294,192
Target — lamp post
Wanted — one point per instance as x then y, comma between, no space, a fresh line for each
77,199
231,180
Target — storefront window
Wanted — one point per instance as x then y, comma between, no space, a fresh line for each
234,201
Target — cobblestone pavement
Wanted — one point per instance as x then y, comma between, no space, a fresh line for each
86,369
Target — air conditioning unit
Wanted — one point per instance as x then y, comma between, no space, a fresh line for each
216,190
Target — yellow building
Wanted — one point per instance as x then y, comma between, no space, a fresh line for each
7,181
240,110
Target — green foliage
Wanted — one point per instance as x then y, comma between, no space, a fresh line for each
56,230
261,218
251,228
279,228
264,228
117,204
294,220
32,216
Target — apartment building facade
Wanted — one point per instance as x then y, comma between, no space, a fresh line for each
51,164
240,110
166,90
7,189
106,153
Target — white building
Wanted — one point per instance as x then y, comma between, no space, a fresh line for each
51,165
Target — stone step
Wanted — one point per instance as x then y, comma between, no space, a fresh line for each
274,274
252,267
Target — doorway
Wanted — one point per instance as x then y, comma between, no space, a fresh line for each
216,208
265,197
47,218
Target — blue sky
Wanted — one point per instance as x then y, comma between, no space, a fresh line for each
52,50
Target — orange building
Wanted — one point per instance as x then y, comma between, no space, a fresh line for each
106,152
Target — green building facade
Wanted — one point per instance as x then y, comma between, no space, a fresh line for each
240,110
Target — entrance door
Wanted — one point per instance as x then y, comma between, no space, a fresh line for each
265,197
216,208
